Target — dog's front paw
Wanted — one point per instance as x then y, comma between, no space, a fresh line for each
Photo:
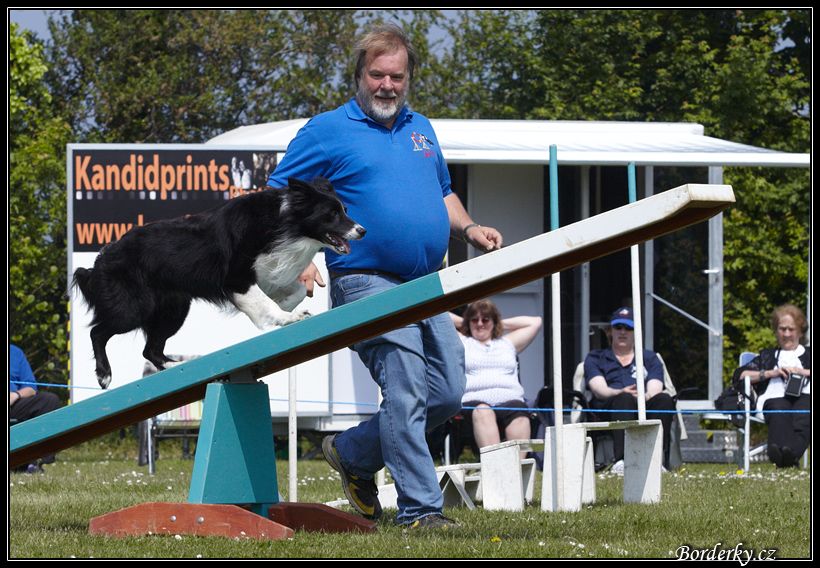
295,316
303,314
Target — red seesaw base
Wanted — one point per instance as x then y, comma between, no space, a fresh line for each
230,521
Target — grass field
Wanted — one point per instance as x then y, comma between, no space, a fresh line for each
706,510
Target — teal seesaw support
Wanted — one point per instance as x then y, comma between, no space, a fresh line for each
234,489
480,277
235,456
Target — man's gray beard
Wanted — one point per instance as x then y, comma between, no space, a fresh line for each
376,111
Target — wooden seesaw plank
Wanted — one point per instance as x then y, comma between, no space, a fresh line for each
335,329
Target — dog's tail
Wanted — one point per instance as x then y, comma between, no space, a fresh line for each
82,280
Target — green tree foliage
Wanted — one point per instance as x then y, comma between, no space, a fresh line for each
744,74
187,75
37,209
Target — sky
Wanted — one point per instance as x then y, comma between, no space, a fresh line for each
35,20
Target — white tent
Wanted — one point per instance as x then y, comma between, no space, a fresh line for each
586,144
579,143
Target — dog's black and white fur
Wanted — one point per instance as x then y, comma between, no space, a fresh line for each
246,252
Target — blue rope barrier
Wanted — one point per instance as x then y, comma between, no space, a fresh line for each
566,410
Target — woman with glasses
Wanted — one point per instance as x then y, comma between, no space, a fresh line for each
494,398
781,377
611,376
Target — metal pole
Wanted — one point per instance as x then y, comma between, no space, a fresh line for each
292,436
636,306
557,383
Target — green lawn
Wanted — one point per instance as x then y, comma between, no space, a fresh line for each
705,509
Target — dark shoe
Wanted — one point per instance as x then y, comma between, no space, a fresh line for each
362,494
789,459
774,455
435,521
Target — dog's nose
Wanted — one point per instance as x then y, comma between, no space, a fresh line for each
361,231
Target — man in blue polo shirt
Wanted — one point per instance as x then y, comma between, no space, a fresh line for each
387,167
611,375
25,401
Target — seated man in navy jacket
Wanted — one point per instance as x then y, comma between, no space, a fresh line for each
611,376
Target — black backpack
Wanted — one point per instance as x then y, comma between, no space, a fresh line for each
733,401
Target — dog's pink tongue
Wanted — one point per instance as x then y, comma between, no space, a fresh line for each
340,245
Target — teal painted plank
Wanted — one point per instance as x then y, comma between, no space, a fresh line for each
324,333
170,388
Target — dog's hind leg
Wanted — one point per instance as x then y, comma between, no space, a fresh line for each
264,312
100,334
165,322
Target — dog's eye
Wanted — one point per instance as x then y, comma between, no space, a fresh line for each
334,213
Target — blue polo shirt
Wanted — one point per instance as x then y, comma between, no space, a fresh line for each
20,374
603,362
393,182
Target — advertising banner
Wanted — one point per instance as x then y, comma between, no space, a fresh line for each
113,188
116,189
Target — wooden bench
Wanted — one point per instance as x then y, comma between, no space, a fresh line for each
502,473
460,485
507,480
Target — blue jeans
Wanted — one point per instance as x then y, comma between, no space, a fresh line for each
420,371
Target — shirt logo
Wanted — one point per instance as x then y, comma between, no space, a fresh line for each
420,142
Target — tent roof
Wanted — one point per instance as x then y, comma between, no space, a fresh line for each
577,142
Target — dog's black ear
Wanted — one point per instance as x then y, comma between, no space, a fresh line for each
323,185
294,183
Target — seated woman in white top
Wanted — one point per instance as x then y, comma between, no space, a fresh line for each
787,413
494,398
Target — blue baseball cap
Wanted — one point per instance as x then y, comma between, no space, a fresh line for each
622,315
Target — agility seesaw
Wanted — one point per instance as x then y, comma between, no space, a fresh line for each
234,462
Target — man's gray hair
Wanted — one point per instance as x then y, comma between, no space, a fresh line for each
381,39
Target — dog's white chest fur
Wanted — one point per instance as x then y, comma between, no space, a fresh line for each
276,272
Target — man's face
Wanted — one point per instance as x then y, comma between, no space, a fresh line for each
623,336
383,87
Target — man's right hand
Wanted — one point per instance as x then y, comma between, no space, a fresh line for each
310,277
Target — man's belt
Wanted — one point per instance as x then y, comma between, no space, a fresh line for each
368,271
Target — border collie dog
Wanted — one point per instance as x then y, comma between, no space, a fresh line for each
247,252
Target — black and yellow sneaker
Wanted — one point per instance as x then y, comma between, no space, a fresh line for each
435,521
362,494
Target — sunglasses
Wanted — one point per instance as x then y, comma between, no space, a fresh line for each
621,327
482,320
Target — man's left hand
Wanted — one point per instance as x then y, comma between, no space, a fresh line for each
485,239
